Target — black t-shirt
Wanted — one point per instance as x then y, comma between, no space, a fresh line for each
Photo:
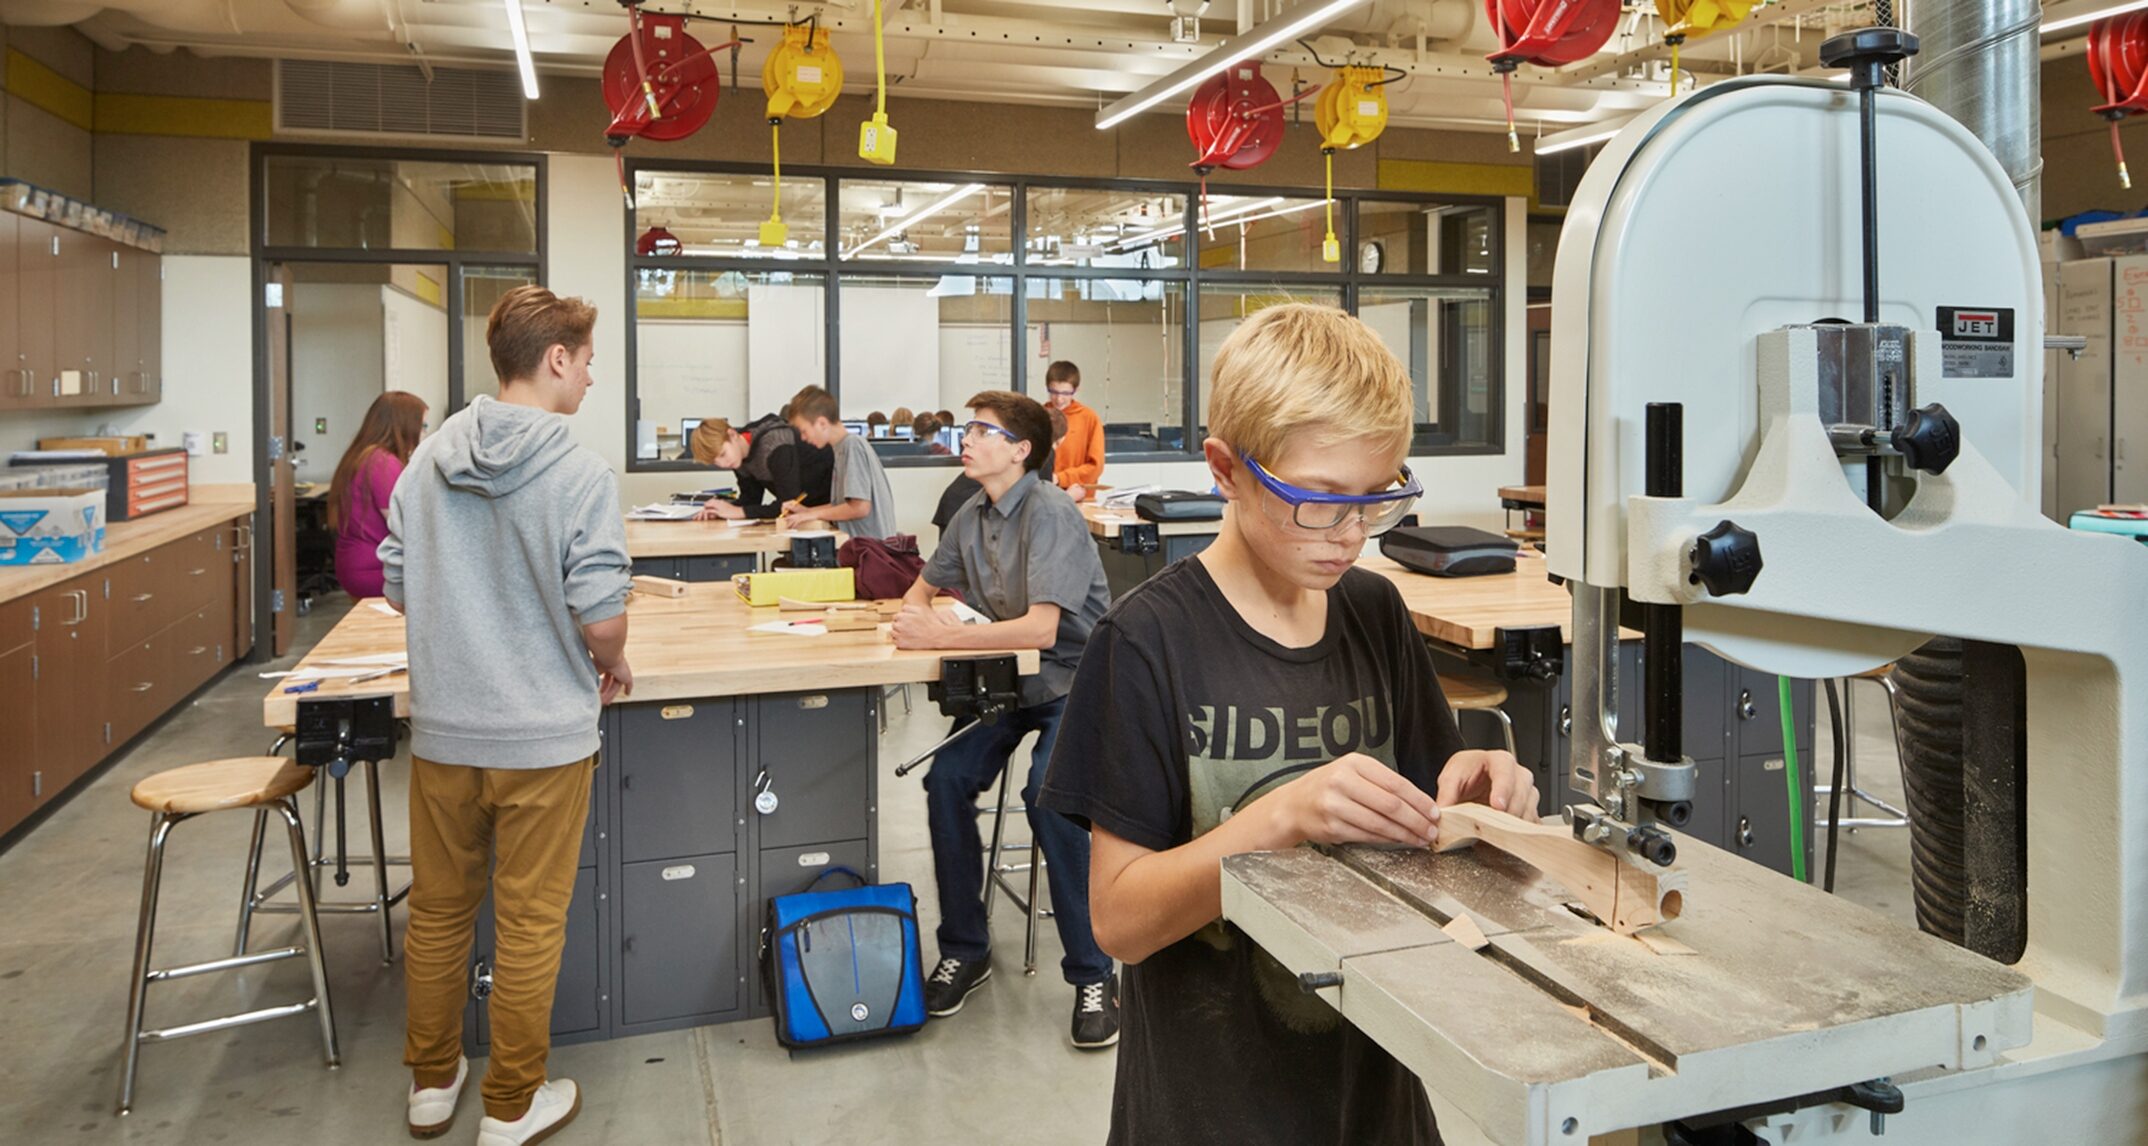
1179,712
779,467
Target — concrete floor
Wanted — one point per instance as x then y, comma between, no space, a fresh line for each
1001,1071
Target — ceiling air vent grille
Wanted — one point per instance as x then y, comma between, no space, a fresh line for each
342,98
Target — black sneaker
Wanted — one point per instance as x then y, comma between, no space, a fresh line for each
950,984
1096,1014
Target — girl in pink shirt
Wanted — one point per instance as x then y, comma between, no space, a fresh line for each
358,497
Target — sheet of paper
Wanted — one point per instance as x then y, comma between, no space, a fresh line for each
684,511
791,629
967,615
383,608
312,672
377,660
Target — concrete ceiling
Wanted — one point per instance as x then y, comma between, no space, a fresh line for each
1062,52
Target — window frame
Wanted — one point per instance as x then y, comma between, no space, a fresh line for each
1024,379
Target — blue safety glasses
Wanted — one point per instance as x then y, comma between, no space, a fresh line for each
1322,512
977,429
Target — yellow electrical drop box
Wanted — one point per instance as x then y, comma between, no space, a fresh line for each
774,232
876,141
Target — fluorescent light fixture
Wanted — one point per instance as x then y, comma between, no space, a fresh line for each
521,33
1587,135
953,197
1250,44
1227,214
2069,16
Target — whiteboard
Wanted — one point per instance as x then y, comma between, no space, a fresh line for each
690,368
973,358
1128,369
786,348
887,361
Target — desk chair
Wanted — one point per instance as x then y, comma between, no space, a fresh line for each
1478,692
997,871
255,900
1893,817
264,783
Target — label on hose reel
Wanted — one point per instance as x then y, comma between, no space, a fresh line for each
1976,342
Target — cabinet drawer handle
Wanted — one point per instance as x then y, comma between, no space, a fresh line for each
141,597
197,650
196,572
145,686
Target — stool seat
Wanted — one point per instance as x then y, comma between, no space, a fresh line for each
221,785
1472,692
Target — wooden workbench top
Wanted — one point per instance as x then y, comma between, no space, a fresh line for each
1105,523
681,648
1522,494
704,538
125,539
1467,612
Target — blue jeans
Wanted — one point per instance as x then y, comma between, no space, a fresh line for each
963,771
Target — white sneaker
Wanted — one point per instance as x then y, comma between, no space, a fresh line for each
432,1109
554,1105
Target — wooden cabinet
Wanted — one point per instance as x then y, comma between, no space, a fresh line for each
37,275
126,364
17,389
83,325
149,322
70,697
241,547
94,660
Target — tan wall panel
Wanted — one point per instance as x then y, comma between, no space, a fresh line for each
64,50
139,71
2079,172
50,152
193,188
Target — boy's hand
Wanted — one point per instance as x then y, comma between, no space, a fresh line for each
1494,778
719,508
1355,799
921,627
614,681
799,513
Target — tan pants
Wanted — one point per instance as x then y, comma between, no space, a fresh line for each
460,819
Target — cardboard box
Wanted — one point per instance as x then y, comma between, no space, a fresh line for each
111,447
50,526
767,589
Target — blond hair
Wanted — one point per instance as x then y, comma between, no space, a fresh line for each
1298,368
709,437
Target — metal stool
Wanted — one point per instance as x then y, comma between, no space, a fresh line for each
1470,692
261,782
1895,817
254,900
996,871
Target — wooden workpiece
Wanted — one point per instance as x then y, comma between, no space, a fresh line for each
128,539
1624,895
692,646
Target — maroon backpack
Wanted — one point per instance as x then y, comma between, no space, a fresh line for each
886,566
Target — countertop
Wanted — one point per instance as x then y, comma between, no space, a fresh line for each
125,539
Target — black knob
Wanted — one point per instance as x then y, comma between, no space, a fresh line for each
1676,813
1726,559
1652,845
1867,53
1930,439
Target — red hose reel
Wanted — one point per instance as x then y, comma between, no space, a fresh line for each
2118,64
1235,119
1547,33
659,81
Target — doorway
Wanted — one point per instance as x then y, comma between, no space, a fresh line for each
376,270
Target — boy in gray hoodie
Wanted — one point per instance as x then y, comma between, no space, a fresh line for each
506,552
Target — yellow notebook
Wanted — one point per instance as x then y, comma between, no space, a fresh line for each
764,589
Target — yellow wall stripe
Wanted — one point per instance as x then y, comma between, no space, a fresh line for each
429,290
121,114
722,308
41,87
1458,178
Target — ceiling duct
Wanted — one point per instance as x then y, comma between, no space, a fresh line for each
323,97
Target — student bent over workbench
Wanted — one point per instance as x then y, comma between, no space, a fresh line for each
1020,553
1259,695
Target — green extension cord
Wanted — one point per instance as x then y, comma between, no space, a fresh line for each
1790,778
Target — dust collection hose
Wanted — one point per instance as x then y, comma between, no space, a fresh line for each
1798,794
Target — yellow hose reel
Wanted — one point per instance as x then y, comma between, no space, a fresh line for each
1351,112
802,77
1352,109
1691,19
